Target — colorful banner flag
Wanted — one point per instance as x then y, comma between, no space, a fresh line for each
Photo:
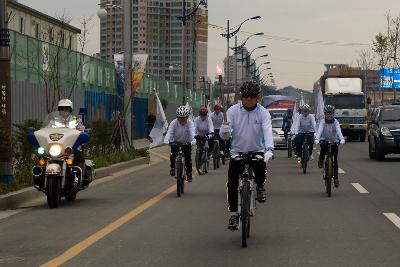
138,70
45,57
119,74
160,125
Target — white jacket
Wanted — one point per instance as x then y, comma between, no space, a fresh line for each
180,133
305,124
217,120
323,133
251,130
202,128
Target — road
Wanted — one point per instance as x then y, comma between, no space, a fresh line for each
125,221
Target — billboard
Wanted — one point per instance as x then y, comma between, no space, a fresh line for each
390,77
343,85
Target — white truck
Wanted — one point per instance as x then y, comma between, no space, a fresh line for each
343,88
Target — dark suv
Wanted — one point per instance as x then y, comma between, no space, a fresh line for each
384,132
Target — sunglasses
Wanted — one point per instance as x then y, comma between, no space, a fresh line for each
247,95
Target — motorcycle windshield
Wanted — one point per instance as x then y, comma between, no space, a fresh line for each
56,120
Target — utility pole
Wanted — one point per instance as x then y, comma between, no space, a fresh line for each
127,10
6,170
236,65
227,65
183,53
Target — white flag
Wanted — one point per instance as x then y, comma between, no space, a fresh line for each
209,107
191,116
295,117
160,125
320,107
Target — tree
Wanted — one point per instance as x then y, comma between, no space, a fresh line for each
57,66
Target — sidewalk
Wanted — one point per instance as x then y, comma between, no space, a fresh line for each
141,143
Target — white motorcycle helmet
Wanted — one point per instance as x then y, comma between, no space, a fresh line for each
65,103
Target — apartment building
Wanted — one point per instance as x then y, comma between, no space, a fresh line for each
157,32
28,21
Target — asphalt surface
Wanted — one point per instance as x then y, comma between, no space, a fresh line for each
297,226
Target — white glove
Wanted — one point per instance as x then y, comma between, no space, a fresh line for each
316,141
166,141
342,142
268,155
225,132
193,142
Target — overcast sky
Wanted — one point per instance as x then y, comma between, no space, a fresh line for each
290,26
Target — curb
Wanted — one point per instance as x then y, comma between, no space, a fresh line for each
14,199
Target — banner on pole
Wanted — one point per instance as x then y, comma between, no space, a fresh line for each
119,73
45,57
138,69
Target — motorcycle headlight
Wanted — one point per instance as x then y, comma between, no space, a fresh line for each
385,131
55,150
40,151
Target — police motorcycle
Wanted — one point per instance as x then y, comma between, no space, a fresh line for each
57,173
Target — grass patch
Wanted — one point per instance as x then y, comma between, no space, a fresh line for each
23,178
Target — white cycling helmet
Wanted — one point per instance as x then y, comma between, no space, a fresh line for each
65,103
182,112
305,107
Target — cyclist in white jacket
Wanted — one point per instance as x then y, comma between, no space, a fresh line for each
305,127
181,130
251,131
329,130
217,118
203,126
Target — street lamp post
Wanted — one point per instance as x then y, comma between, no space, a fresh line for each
102,13
185,17
127,8
248,57
229,35
241,48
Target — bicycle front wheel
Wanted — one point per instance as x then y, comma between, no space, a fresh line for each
215,156
289,148
179,178
199,161
329,175
304,159
245,212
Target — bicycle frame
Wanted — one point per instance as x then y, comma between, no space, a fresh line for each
215,152
201,155
304,152
246,193
328,174
180,169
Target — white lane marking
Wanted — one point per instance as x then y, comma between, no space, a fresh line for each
341,171
393,218
360,188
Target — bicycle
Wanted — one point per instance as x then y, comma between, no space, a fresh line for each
289,144
246,193
180,170
305,155
328,167
215,152
202,162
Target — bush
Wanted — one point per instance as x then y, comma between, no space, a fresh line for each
105,160
100,149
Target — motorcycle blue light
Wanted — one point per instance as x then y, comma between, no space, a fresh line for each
40,150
